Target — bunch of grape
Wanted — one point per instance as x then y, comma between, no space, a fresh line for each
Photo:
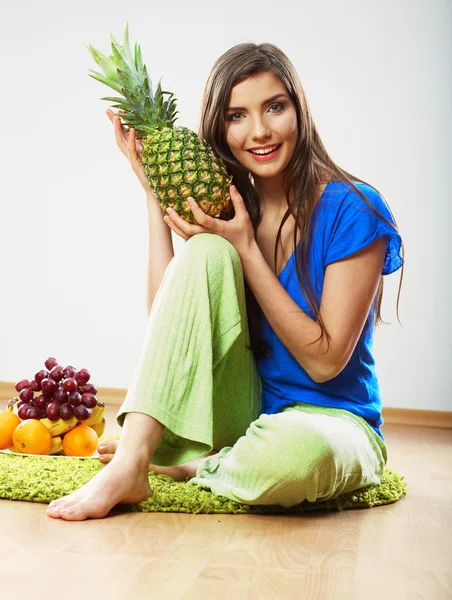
65,392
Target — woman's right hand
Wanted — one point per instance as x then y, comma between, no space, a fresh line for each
131,148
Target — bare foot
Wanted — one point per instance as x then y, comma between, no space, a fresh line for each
121,482
107,450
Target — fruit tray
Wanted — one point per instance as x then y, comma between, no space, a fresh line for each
66,419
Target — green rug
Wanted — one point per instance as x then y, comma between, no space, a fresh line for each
45,478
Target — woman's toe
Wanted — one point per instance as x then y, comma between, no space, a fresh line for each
55,504
69,511
106,458
107,447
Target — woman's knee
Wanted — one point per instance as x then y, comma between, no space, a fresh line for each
292,444
215,252
210,244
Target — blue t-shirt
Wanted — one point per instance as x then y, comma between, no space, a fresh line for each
341,225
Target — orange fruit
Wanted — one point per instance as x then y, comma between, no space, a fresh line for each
8,423
32,437
81,440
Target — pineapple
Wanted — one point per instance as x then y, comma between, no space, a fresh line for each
177,163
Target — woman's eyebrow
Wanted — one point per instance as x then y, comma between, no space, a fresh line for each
263,103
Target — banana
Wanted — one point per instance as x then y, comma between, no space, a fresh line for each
96,416
57,444
12,405
99,428
60,426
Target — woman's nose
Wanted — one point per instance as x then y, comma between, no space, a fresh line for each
260,131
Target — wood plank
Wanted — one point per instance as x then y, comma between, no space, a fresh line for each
400,550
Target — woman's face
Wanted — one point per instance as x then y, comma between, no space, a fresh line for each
261,125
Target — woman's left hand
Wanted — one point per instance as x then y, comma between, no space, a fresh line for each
238,231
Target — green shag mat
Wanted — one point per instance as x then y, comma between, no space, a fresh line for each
45,478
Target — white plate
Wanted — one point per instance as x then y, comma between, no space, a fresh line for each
95,455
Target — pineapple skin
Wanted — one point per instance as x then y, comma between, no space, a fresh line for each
178,165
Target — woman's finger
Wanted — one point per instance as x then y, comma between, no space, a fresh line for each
119,135
172,225
186,227
131,148
201,217
134,157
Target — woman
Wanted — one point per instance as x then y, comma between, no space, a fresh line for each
256,377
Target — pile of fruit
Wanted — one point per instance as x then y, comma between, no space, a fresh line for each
57,412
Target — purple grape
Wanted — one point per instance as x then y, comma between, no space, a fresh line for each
89,388
26,394
50,363
22,412
22,385
69,372
35,386
82,412
89,400
33,412
61,395
49,386
82,376
40,401
52,411
57,373
75,398
40,375
70,385
66,411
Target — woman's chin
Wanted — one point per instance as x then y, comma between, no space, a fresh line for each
266,173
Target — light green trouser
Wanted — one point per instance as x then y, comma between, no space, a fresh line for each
195,375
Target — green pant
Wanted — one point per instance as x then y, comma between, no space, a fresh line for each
195,375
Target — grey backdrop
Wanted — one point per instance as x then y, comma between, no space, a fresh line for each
73,217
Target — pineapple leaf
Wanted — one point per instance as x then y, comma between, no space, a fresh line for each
128,76
118,57
138,59
112,40
102,79
124,78
103,61
126,48
124,104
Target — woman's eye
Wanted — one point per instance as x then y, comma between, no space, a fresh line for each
231,117
278,105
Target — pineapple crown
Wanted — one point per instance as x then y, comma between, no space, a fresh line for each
144,110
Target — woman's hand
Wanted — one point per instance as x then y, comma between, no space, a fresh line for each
238,231
131,148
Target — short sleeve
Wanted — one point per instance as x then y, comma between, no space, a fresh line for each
355,226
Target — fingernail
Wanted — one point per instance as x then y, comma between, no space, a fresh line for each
233,189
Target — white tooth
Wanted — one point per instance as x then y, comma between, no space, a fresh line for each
264,151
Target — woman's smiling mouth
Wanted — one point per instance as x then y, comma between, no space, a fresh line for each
266,152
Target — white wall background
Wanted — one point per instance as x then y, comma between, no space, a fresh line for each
73,217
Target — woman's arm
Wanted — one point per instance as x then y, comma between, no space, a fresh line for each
160,247
349,288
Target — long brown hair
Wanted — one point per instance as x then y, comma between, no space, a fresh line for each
309,166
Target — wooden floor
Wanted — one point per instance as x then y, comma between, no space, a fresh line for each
401,551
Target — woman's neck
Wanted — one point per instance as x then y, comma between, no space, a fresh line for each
273,197
271,192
